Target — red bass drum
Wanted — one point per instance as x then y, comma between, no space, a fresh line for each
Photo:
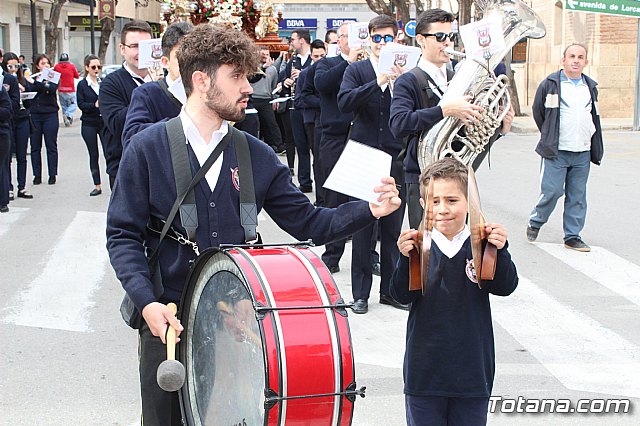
266,340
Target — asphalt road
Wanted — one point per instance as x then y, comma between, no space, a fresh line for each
570,331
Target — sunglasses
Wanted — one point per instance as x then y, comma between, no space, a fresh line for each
440,37
377,38
96,67
13,66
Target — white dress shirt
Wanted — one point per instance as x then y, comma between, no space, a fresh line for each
201,148
439,75
93,84
450,248
136,77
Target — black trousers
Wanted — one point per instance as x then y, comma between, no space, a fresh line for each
313,137
334,250
90,135
269,129
287,133
302,148
414,209
159,408
250,124
5,153
46,125
21,130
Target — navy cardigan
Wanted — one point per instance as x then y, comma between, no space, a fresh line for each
87,98
335,124
145,187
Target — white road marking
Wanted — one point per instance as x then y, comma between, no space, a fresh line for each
612,271
61,296
577,350
11,217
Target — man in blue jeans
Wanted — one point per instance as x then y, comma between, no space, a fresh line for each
67,88
565,109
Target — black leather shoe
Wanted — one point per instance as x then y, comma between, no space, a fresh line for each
334,269
375,269
388,300
360,306
95,192
52,180
37,180
306,189
4,209
25,194
532,233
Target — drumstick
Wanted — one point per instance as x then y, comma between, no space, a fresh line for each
171,373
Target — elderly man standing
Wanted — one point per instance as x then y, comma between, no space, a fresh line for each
565,109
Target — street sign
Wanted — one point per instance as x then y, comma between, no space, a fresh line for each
611,7
410,28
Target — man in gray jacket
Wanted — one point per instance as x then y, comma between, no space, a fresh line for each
263,86
565,110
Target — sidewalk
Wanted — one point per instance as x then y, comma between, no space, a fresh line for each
525,124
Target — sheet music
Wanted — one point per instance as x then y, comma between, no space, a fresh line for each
150,52
397,54
49,75
359,169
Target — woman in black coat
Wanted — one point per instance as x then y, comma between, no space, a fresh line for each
87,95
44,112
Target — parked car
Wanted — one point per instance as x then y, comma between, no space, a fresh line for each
108,69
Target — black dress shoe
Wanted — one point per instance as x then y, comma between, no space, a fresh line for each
37,180
95,192
23,193
306,189
4,209
375,269
388,300
52,180
360,306
334,269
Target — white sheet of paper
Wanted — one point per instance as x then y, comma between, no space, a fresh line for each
28,95
49,75
358,34
398,54
333,50
279,100
359,169
149,53
483,36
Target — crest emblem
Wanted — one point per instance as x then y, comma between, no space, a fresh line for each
401,59
363,33
471,271
156,52
484,36
235,178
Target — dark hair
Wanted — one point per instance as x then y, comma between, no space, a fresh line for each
8,56
318,44
21,56
37,60
303,34
586,51
87,61
206,48
431,16
383,21
329,32
173,36
135,26
447,168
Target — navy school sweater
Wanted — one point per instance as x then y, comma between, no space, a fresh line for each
335,124
87,98
46,101
360,95
115,96
145,186
149,104
450,350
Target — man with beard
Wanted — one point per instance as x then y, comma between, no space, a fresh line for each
214,64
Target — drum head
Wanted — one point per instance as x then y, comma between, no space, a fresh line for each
221,347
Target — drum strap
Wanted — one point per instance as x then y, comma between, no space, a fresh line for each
248,208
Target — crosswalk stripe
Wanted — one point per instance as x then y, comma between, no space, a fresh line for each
8,219
612,271
577,350
60,297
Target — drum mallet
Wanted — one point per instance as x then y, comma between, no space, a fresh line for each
170,375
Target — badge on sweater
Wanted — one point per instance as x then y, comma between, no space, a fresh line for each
235,178
471,271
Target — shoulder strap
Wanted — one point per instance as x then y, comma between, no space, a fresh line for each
182,174
423,85
165,88
248,208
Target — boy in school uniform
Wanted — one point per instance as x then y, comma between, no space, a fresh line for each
449,361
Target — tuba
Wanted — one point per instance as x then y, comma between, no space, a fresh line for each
451,137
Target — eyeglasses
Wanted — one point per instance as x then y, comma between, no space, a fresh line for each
441,37
131,46
13,66
96,67
377,38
